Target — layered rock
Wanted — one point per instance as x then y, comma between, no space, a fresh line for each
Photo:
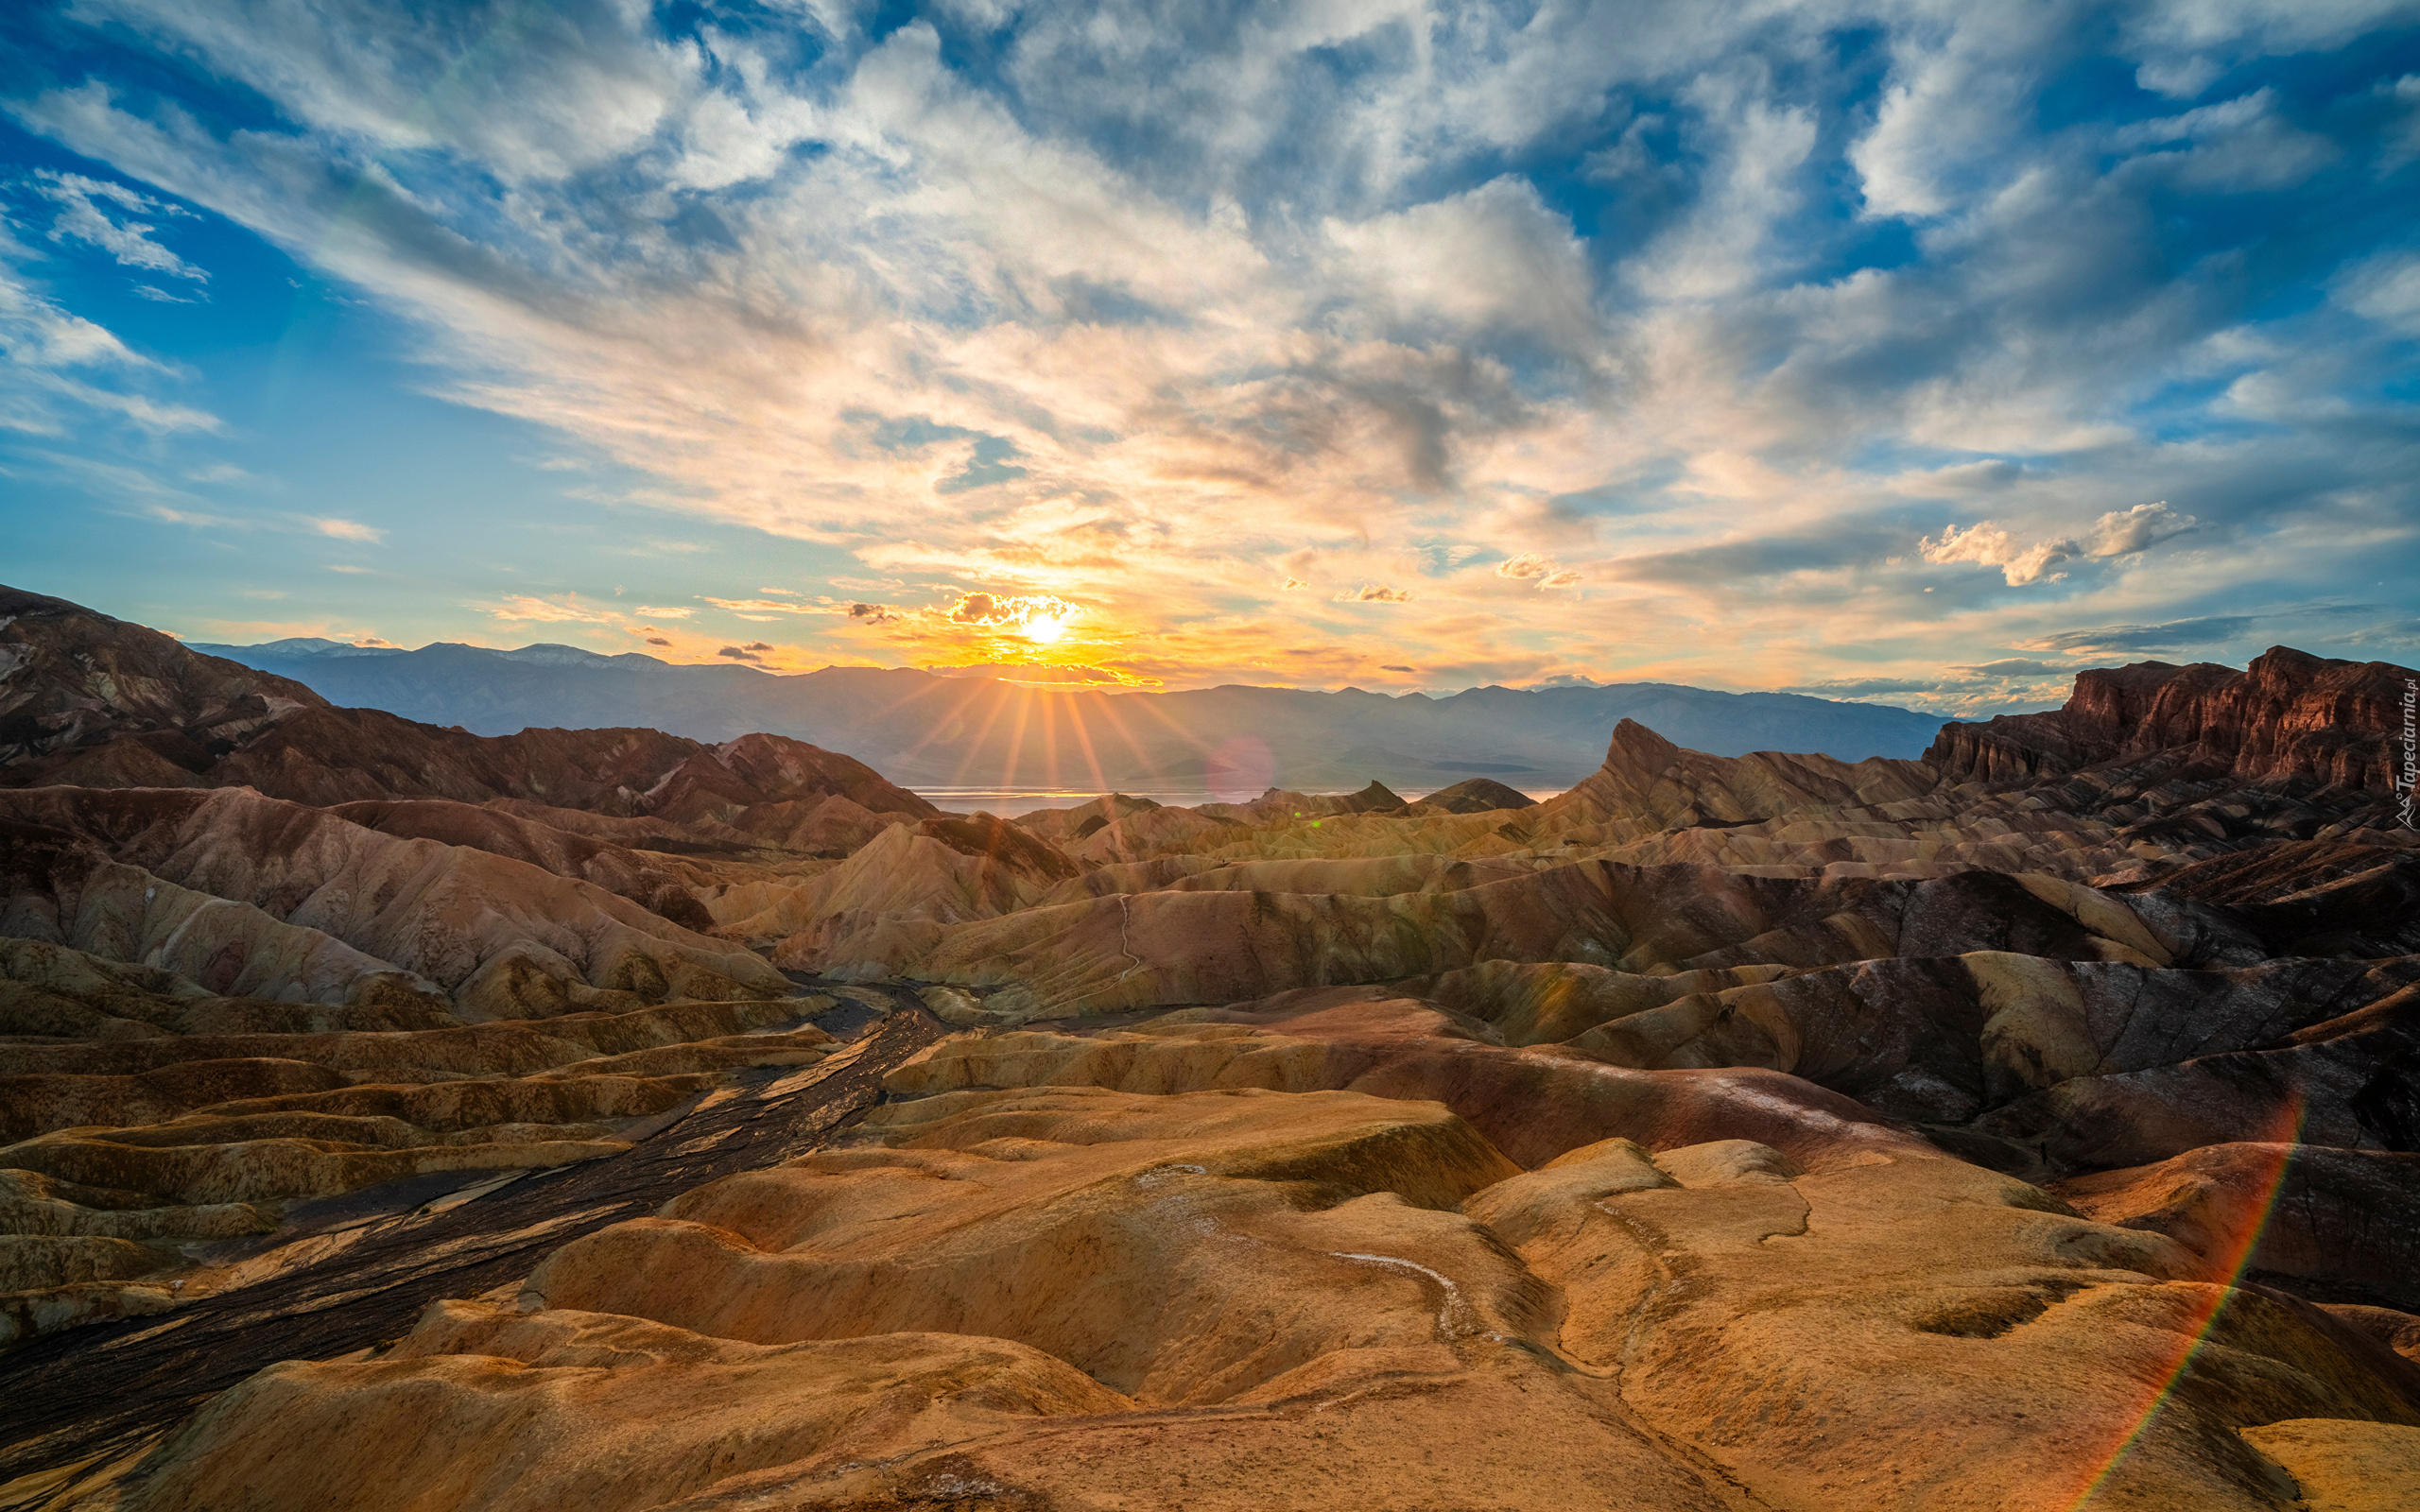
501,937
2287,716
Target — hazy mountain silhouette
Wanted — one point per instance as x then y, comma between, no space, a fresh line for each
946,727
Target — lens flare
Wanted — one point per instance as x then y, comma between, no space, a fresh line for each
2230,1257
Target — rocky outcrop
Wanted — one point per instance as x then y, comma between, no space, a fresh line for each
72,679
2288,718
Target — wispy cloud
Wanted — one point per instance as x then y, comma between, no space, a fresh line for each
1686,345
2173,636
58,368
102,214
347,530
528,608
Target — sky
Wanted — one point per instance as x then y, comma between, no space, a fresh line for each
1921,353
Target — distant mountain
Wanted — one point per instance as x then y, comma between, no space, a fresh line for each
948,728
299,645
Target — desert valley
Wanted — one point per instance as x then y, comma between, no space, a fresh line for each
397,1117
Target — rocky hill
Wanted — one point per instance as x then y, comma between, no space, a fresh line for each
397,1117
2288,718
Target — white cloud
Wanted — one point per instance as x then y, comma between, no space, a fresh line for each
44,346
1493,259
2385,289
2123,532
342,529
2118,533
83,218
1989,546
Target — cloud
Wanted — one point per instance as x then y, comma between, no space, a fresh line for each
2209,630
166,515
2122,532
744,653
1530,566
2118,533
2385,289
1173,322
760,607
1394,669
873,613
348,530
1988,545
1376,594
527,609
657,640
1004,610
81,217
1865,687
664,611
56,366
2016,667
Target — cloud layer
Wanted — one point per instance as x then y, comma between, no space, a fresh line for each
1840,345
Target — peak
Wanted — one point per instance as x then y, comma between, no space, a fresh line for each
1377,796
18,601
1635,744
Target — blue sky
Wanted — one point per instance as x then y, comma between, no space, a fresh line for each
1917,352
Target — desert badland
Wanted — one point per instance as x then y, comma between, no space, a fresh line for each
393,1117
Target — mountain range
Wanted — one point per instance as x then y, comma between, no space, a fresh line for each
939,729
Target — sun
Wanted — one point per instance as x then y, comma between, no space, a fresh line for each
1046,629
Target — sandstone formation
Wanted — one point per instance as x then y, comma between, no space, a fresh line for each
2030,1126
2289,716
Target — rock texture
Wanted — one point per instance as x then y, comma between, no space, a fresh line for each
2287,716
2031,1127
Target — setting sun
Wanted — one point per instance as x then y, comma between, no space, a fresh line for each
1046,631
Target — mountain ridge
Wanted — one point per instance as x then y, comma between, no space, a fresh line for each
902,718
